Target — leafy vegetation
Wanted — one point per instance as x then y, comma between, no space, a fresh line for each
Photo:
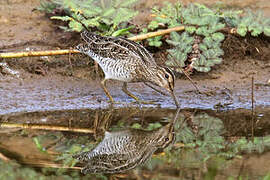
199,141
207,24
199,47
108,17
253,22
205,146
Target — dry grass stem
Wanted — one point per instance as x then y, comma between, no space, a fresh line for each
4,158
70,51
46,127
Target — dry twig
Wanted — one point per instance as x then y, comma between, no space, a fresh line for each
4,158
46,127
70,51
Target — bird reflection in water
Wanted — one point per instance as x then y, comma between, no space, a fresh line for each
124,150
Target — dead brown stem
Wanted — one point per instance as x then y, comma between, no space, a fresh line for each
70,51
4,158
252,108
36,163
189,78
157,33
37,53
45,127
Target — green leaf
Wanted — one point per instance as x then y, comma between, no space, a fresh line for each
122,31
242,30
75,26
155,42
255,29
107,21
128,3
266,31
136,126
203,47
38,145
93,22
153,25
175,43
123,15
190,29
218,36
203,30
108,12
175,36
187,50
92,11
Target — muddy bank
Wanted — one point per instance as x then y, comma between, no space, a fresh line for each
56,92
66,82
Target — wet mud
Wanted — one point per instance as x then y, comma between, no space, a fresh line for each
55,92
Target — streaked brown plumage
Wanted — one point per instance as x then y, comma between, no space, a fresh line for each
123,150
126,61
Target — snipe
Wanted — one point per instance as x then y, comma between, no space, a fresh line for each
126,61
123,150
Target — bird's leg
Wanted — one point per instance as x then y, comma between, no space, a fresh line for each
103,85
124,88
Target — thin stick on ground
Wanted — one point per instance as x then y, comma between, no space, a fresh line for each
36,163
186,74
4,158
157,33
37,53
71,51
46,127
252,108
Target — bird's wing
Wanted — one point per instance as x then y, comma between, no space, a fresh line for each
108,146
116,48
115,163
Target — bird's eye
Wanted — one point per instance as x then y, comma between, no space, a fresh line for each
166,76
166,139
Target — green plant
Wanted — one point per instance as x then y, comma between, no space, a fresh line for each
110,18
198,20
207,24
253,22
166,16
48,6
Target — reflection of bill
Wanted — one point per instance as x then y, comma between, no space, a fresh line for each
123,150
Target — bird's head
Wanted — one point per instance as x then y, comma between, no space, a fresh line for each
165,136
165,78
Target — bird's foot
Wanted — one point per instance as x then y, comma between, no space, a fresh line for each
114,102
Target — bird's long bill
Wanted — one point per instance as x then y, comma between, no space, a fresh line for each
175,99
173,121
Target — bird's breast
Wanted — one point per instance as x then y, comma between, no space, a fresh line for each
118,69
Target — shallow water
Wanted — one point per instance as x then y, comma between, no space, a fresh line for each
64,93
208,143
